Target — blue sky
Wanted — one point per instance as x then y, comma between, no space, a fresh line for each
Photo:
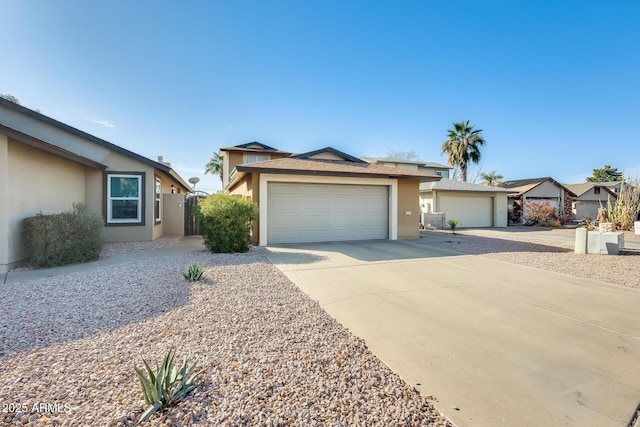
555,85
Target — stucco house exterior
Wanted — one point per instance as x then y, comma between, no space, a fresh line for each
326,195
46,166
589,197
537,190
473,205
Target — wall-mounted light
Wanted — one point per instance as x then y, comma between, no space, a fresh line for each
173,189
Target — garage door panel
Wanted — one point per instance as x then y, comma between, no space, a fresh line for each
326,212
469,211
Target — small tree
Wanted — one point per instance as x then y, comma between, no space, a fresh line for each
225,222
540,213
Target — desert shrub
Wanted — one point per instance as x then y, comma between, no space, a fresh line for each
453,224
193,273
64,238
225,222
541,213
627,205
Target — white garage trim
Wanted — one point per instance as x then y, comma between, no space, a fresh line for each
266,178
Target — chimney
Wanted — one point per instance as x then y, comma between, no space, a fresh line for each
161,160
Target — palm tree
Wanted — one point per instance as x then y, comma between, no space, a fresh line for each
463,146
491,178
215,165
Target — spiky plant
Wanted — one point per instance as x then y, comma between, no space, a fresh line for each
452,223
193,273
167,385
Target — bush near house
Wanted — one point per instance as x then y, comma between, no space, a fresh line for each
541,213
225,222
64,238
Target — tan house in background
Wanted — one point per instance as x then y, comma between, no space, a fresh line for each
324,195
589,197
46,166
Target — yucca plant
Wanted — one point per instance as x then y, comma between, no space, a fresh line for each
167,385
453,223
193,273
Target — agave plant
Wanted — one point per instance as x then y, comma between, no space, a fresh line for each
167,385
193,273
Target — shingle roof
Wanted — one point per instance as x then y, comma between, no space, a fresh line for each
249,149
446,184
520,186
94,139
290,165
411,162
580,189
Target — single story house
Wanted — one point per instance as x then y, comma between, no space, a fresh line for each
589,197
327,195
473,205
537,190
46,166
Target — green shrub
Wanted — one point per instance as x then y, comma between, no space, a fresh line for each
225,222
64,238
453,223
167,385
193,273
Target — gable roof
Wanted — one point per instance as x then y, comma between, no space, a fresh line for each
305,164
344,156
580,189
446,184
254,147
52,148
521,186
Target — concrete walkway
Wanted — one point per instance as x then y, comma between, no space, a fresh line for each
185,245
497,344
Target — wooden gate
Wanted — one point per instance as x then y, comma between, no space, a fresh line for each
191,224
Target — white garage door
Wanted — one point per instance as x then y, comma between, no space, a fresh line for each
469,211
323,212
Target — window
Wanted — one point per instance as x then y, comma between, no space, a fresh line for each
253,159
443,174
124,199
596,190
158,198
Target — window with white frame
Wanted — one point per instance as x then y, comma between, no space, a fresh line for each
157,206
124,198
253,159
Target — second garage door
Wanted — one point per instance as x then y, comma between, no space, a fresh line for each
299,212
469,211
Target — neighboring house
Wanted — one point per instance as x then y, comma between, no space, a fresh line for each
473,205
326,195
419,166
46,166
537,190
589,197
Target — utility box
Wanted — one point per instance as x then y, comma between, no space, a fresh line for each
611,242
593,242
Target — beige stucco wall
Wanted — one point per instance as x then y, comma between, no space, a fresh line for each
46,183
233,159
408,209
249,187
545,189
173,214
4,203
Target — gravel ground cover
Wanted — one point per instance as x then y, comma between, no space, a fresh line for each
269,355
558,256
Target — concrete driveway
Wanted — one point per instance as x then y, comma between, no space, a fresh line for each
496,344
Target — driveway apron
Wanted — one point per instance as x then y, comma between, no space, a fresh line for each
496,344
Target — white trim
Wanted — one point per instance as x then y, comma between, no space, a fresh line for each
110,219
265,178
